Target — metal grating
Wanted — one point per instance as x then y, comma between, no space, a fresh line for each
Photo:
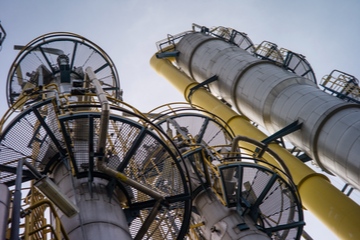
143,153
58,130
154,167
143,156
31,135
167,224
205,129
272,202
43,52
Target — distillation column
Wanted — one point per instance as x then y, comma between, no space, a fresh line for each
274,98
107,174
265,86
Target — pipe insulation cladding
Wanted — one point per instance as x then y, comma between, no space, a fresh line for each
274,97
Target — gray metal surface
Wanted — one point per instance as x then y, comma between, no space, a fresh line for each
100,217
4,209
222,222
274,98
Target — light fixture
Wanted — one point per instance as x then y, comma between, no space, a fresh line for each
51,191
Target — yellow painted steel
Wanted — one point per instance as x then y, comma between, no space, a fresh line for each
338,212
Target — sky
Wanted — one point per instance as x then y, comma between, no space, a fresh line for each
325,31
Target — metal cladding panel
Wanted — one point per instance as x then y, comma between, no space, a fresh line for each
223,67
274,97
98,230
203,56
100,217
187,45
340,141
258,88
300,102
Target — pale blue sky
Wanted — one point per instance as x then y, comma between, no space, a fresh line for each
325,31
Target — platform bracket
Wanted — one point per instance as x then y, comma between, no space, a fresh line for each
292,127
202,84
162,55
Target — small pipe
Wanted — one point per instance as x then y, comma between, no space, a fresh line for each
41,76
235,144
105,113
104,124
234,147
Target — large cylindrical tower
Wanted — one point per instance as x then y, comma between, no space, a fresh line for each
108,172
275,97
219,68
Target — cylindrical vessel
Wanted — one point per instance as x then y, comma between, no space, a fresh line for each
100,217
222,222
274,97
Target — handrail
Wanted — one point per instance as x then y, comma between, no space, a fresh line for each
53,211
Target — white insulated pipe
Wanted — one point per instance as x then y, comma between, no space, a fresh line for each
274,97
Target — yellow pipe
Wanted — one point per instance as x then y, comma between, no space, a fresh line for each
338,212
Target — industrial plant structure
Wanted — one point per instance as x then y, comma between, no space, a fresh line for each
78,162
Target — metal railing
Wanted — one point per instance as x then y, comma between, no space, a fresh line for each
341,85
35,212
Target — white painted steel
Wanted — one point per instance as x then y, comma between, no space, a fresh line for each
100,217
274,97
222,222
